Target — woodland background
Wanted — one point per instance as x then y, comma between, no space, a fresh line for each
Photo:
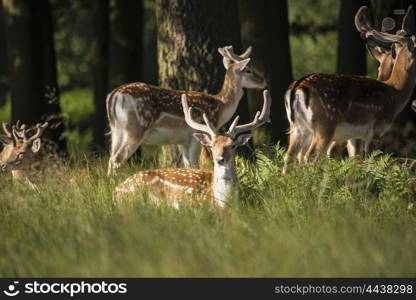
60,58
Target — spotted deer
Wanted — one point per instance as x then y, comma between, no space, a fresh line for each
218,187
141,113
342,108
385,58
20,150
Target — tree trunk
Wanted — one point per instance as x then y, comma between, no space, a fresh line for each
52,109
264,25
189,33
100,45
32,65
3,60
126,42
351,53
24,61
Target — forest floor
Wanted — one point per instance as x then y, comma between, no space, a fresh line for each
336,218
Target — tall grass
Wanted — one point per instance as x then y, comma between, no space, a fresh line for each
336,218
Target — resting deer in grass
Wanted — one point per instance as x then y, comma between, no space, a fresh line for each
218,187
342,108
20,150
141,113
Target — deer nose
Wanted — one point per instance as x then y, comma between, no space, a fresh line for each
220,160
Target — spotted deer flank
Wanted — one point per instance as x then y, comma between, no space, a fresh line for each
341,108
219,187
141,113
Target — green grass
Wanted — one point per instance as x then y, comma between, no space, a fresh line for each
333,219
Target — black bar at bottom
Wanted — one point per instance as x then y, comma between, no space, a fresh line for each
195,288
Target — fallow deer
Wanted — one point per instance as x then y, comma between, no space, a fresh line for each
218,187
385,58
20,150
341,107
141,113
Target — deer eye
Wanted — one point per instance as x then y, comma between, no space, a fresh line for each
21,155
248,71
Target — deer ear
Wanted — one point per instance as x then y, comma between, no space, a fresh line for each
242,139
242,64
36,145
203,138
4,139
376,52
414,105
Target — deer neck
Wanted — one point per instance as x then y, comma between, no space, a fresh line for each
225,185
21,177
229,96
403,81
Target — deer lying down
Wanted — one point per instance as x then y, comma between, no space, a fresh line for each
219,187
20,151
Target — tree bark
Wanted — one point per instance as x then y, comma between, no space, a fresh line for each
126,42
3,60
351,53
52,108
25,82
100,57
32,65
189,33
265,26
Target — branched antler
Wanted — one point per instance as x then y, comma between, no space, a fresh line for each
259,119
207,128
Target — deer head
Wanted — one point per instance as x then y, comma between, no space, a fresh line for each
223,146
20,146
386,53
401,44
237,65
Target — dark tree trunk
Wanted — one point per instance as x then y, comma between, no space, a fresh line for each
351,54
52,108
32,65
24,61
265,26
189,33
126,42
100,57
3,60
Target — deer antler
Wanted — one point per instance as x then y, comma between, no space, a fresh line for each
207,128
228,53
260,118
383,39
21,132
7,129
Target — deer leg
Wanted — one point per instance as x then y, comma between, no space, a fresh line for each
354,147
319,145
335,149
126,146
116,141
295,144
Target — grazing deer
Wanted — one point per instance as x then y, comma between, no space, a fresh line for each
141,113
385,58
218,187
20,150
341,107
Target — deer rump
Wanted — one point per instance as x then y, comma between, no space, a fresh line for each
343,102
